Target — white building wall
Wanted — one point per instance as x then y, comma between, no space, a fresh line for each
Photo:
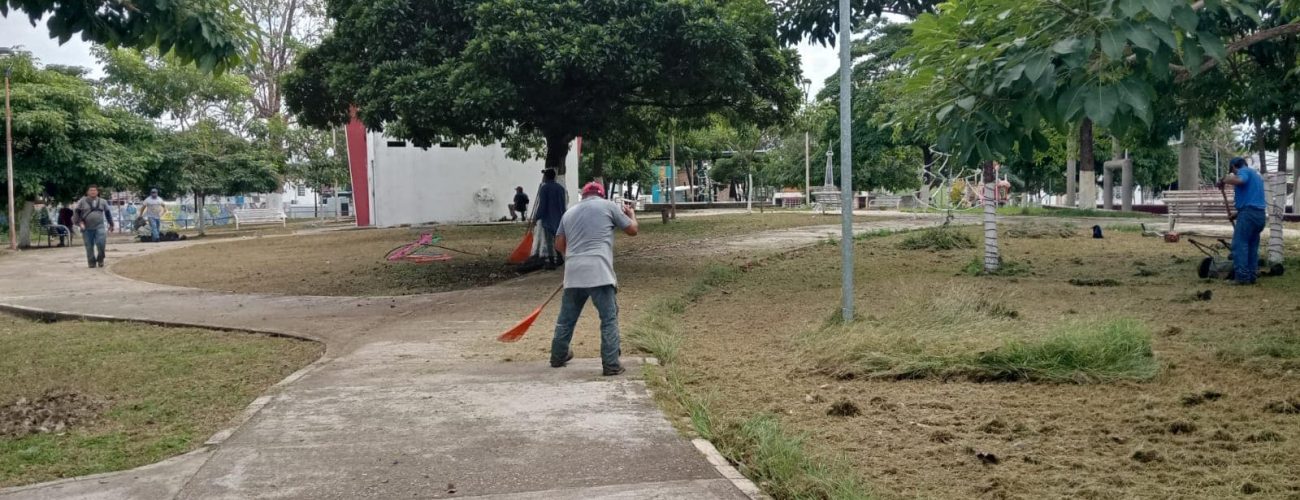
410,185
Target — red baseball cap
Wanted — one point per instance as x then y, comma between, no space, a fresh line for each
593,188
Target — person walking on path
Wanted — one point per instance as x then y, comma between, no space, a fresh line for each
551,201
586,238
519,207
95,217
1248,190
154,211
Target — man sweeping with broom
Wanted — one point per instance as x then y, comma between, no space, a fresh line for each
586,239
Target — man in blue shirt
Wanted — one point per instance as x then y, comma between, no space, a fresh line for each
1248,188
552,200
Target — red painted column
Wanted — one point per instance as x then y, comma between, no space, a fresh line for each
357,166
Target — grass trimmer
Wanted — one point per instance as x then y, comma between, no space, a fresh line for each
517,332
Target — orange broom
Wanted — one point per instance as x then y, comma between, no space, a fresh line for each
517,332
524,249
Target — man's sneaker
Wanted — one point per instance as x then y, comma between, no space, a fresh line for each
617,371
562,363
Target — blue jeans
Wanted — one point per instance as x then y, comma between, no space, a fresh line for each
604,297
154,226
1245,244
95,239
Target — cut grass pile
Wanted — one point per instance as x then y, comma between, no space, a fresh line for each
1034,230
963,333
1071,212
123,395
940,238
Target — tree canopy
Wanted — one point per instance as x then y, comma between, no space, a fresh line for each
538,71
207,32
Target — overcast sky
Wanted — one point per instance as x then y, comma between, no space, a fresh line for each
818,62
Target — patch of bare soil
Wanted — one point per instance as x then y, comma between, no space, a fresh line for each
53,411
1211,424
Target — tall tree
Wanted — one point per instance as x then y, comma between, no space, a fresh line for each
994,69
207,32
178,96
64,139
490,70
282,30
206,160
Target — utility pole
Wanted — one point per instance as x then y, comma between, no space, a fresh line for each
672,171
846,162
9,157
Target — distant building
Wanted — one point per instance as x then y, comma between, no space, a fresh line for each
396,183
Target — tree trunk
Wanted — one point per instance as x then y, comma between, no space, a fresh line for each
1261,146
1087,167
1283,142
557,150
24,225
992,259
1189,161
1072,169
927,176
315,203
672,174
198,212
597,163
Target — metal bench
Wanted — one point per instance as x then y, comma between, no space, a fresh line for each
885,201
1199,206
257,216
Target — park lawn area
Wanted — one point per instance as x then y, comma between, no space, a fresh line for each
126,394
351,262
1120,384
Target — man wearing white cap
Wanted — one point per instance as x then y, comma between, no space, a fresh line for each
586,239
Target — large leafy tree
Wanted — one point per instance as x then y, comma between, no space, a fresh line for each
206,159
177,95
64,139
539,71
282,29
207,32
995,69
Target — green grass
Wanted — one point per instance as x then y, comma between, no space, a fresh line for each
166,390
1124,228
773,458
1280,349
938,238
972,334
776,459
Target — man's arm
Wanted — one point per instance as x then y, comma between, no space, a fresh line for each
76,214
108,218
632,227
561,245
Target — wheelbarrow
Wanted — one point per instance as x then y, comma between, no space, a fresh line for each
1217,265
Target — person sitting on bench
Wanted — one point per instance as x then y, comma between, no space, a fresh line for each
49,225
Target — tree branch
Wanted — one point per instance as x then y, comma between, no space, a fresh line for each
1242,44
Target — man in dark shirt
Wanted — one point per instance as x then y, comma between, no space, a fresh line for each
519,209
551,202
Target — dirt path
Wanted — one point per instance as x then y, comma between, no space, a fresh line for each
408,399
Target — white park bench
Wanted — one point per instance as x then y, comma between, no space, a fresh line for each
256,216
884,201
1200,206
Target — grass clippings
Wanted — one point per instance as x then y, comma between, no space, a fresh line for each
938,239
1036,230
82,398
1104,282
1290,406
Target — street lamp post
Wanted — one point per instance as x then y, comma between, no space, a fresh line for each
846,161
9,154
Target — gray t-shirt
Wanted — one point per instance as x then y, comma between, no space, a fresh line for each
93,212
588,231
153,207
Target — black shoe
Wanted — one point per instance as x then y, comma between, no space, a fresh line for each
617,371
92,265
100,262
565,362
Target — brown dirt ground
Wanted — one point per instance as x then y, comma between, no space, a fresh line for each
351,262
920,438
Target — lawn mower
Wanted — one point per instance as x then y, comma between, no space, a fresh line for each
1217,265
